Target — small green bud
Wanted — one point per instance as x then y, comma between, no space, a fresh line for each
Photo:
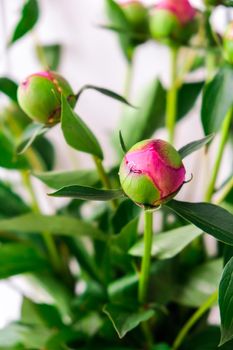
39,96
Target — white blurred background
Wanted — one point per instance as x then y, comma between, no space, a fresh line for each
90,56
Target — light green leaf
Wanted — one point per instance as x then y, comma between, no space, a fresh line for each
194,146
168,244
31,133
49,54
124,320
76,132
58,179
217,100
201,282
55,225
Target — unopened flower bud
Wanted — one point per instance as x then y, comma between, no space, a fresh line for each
172,19
135,12
228,44
39,96
213,2
151,173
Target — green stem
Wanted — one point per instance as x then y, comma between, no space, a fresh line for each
194,318
128,79
49,242
145,269
104,177
223,140
172,94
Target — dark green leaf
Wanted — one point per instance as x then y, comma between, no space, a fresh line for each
49,55
162,347
9,159
28,19
127,237
9,88
187,97
200,283
29,136
105,92
55,225
17,258
194,146
88,193
210,218
58,179
10,203
168,244
77,134
148,118
217,100
118,19
125,212
46,151
206,339
226,302
122,142
124,320
18,334
123,289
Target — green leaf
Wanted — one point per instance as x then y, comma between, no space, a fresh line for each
127,237
55,225
30,134
210,218
118,19
58,179
60,294
28,19
40,314
149,117
168,244
187,97
199,284
125,212
10,203
88,193
9,159
18,334
226,303
17,258
105,92
76,132
124,320
123,288
161,346
9,88
206,339
46,151
194,146
49,54
217,100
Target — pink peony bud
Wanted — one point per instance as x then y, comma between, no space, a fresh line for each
151,173
169,17
39,96
228,43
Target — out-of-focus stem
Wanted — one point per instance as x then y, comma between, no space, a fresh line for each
171,106
223,140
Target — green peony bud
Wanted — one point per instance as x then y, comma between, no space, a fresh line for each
151,173
136,14
39,96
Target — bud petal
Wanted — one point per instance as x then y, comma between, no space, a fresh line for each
39,96
135,12
151,173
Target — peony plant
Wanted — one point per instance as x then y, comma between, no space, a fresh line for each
123,263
